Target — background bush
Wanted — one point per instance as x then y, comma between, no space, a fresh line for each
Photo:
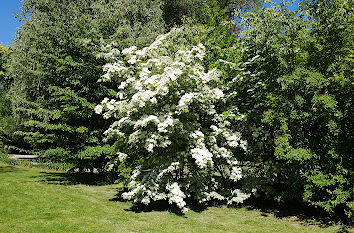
292,89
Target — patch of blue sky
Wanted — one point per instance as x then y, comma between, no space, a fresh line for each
8,22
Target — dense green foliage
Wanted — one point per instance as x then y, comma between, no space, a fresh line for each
55,69
3,52
330,181
2,92
177,11
295,88
6,118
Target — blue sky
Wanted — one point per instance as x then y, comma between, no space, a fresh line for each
8,23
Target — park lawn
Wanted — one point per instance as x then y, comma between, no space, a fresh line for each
33,200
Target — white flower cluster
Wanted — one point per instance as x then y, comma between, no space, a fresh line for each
175,195
167,108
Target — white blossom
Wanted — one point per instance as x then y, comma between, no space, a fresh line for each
98,109
167,112
175,195
217,93
185,101
202,157
121,156
236,173
238,196
129,51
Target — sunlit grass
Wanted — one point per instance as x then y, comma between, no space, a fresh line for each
33,200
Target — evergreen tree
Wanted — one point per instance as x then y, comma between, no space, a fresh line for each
54,67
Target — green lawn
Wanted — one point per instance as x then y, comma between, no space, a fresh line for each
41,201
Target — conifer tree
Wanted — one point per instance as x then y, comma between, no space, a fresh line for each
55,69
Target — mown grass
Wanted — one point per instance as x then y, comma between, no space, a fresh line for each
33,200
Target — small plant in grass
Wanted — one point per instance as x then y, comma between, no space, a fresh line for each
169,125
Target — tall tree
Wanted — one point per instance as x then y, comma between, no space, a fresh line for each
176,10
6,116
54,66
294,86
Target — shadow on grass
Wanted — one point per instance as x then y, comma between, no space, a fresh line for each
307,214
159,206
76,178
9,169
301,212
156,206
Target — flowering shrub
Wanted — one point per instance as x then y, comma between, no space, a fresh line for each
169,117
